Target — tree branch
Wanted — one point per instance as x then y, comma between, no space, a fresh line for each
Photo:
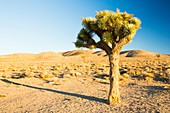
119,45
102,45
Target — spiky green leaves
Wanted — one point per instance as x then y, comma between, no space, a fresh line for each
79,43
118,23
107,37
84,39
90,23
84,35
111,27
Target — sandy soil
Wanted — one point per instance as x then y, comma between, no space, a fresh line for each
77,81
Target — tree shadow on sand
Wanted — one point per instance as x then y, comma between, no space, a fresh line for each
91,98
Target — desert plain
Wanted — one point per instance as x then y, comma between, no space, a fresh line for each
78,82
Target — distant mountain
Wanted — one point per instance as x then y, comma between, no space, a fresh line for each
77,52
128,53
30,57
53,55
140,53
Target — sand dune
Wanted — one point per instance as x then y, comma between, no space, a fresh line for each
140,53
53,55
77,52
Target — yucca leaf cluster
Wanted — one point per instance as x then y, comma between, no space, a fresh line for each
111,27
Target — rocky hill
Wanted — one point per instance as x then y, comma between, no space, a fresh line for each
87,53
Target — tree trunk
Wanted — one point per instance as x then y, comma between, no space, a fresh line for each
114,94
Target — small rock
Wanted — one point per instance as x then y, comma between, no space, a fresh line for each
122,72
125,75
56,82
78,74
65,75
17,76
101,69
93,72
100,80
45,75
138,72
2,95
167,71
147,69
148,79
106,78
150,75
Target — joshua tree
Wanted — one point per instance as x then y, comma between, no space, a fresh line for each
114,30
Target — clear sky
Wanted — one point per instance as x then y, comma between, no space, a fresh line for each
34,26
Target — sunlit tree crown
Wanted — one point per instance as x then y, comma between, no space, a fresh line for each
111,27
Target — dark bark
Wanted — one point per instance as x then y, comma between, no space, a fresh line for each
102,45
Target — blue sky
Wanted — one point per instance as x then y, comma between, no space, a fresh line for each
34,26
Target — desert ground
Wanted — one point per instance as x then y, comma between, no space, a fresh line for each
78,82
